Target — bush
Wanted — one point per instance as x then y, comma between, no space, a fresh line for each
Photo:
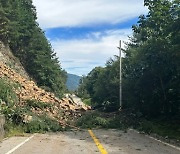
7,94
116,120
99,121
15,115
92,120
43,124
8,99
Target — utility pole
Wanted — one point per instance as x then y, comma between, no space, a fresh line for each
120,77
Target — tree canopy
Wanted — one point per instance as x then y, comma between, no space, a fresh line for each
150,68
19,30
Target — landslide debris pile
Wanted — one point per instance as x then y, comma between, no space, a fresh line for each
61,110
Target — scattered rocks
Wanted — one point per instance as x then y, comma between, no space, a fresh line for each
30,91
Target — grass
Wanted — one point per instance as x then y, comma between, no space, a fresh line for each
13,130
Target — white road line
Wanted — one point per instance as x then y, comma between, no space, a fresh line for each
19,145
173,146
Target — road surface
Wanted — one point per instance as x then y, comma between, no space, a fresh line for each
86,142
76,100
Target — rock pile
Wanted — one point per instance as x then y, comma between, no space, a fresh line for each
30,91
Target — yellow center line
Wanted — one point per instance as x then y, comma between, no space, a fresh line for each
98,144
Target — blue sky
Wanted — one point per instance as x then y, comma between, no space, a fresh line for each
81,32
85,33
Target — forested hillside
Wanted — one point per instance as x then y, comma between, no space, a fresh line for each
72,82
102,86
150,68
20,31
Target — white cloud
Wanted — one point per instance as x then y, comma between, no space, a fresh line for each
73,13
79,56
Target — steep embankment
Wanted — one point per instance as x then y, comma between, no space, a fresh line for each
7,58
35,100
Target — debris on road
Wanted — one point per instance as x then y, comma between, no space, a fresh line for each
30,91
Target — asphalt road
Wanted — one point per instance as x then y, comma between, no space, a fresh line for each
76,100
86,142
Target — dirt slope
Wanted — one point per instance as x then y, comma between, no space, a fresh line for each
12,69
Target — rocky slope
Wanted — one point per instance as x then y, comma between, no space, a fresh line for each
11,69
7,58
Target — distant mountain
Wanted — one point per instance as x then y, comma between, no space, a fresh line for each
72,81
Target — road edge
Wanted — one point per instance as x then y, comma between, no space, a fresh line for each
168,144
19,145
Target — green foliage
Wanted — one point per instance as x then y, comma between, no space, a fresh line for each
9,101
98,119
151,69
43,124
14,114
40,124
3,24
7,94
12,129
102,86
19,29
92,121
37,104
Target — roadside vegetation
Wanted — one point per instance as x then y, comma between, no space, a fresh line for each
150,75
20,31
161,127
20,118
